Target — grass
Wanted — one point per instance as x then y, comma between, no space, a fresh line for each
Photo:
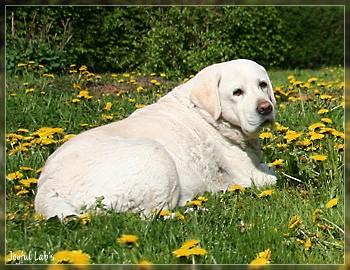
232,227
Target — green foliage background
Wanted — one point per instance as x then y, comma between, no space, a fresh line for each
182,38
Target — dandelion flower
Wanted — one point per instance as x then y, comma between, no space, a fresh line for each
277,162
23,191
236,188
307,244
108,106
190,243
189,248
260,261
202,199
315,214
128,239
294,222
323,111
181,252
315,136
327,120
265,135
316,125
72,257
311,80
144,262
266,193
326,96
332,203
319,157
27,182
85,219
262,257
194,203
198,251
292,135
14,176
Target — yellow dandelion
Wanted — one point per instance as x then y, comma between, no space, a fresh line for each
23,191
23,130
85,219
180,216
281,128
304,142
14,175
337,134
83,68
144,262
79,257
277,162
198,251
322,111
21,65
139,106
315,214
181,252
108,106
327,120
38,216
311,80
259,261
326,96
332,203
190,243
75,100
292,135
202,199
62,256
107,117
236,188
319,157
307,244
194,203
140,89
265,135
315,136
340,146
127,239
281,145
71,257
27,182
316,125
266,193
262,257
294,222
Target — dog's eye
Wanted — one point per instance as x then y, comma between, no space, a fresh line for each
262,85
238,92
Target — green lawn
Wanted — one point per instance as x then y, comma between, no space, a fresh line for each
295,223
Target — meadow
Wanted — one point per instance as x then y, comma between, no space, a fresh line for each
298,221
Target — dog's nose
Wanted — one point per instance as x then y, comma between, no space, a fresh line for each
264,107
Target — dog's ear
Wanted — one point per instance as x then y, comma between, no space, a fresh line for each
204,89
271,94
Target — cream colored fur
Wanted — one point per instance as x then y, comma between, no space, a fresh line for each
202,136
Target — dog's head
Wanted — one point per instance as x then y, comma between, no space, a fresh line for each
238,91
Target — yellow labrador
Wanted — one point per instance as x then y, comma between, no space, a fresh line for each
202,136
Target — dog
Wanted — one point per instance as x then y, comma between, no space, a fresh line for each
202,136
